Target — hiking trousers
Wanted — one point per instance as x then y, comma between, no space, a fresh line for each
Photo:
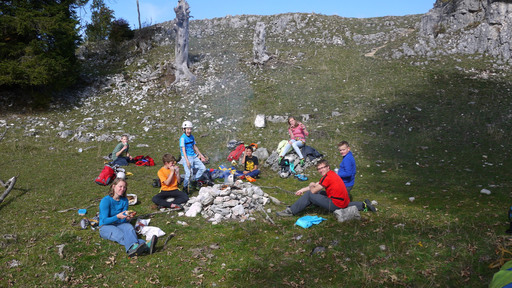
122,233
313,199
252,174
195,163
161,198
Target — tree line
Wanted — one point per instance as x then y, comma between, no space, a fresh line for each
38,39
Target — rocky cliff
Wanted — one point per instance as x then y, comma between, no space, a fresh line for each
468,27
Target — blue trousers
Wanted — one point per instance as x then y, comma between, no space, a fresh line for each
122,233
121,161
252,174
195,163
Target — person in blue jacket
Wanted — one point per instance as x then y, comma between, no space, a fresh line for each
347,170
115,221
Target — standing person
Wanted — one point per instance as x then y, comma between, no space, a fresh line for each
120,155
298,133
334,196
168,176
191,157
115,221
250,164
347,170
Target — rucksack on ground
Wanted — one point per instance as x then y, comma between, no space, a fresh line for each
235,154
107,175
280,146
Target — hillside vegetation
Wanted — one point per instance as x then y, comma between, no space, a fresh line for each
429,128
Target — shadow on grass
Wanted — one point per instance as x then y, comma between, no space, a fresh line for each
10,198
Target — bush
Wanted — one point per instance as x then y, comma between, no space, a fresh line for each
121,31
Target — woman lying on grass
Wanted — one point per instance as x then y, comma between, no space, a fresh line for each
115,221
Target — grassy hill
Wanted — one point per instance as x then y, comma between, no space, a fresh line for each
429,128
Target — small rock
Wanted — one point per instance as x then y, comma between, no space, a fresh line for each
485,191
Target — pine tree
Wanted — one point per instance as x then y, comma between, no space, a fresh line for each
101,18
38,39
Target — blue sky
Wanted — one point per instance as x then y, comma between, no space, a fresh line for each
157,11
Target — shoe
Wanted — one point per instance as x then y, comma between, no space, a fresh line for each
241,177
368,206
250,179
175,207
286,213
302,162
137,249
151,245
301,177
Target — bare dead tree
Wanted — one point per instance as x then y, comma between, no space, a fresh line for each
182,63
259,49
9,184
3,134
138,13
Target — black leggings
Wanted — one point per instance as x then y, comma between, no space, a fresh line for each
161,198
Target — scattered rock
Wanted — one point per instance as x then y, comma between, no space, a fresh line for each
485,191
347,214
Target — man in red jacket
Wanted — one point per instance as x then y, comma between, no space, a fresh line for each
329,193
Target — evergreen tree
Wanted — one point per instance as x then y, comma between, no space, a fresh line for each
120,31
38,39
101,18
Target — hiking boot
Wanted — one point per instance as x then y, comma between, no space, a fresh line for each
136,249
368,206
286,213
302,162
151,245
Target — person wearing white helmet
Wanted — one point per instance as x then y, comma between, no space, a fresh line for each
191,157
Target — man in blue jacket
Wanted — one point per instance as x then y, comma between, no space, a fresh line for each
347,170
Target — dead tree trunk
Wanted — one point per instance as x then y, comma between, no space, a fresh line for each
8,185
259,49
138,13
182,62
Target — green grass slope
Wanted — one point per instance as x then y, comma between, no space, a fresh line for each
433,129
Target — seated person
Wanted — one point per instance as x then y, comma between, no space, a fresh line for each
115,221
334,196
169,176
347,170
250,164
120,155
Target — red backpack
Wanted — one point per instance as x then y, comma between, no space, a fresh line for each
143,161
106,176
235,154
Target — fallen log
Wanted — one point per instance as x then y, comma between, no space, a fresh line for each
9,184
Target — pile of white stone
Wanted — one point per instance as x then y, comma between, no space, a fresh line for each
237,201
